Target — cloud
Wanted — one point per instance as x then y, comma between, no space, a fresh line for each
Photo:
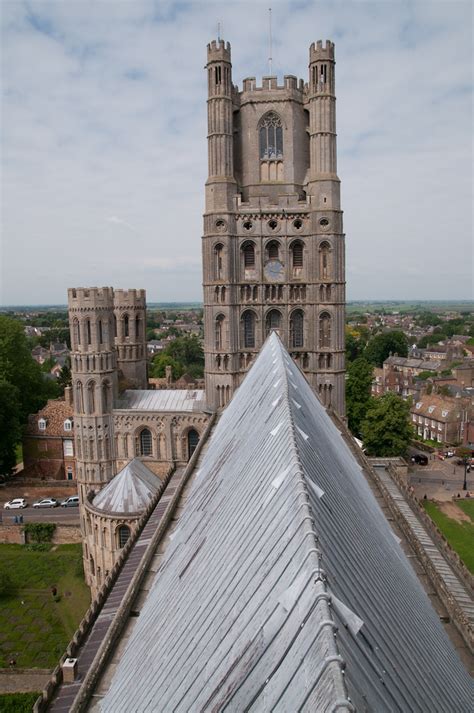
104,139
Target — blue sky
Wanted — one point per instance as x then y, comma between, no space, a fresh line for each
104,139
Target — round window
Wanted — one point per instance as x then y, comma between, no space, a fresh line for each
324,222
273,224
298,224
220,224
248,225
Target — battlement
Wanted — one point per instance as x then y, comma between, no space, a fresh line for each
90,297
218,51
130,298
290,83
317,52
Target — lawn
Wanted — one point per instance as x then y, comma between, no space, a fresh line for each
34,628
17,702
460,535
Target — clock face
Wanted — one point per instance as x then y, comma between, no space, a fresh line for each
274,270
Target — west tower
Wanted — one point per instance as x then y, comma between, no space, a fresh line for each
273,244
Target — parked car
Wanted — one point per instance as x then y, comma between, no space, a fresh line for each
420,459
15,504
72,501
46,503
449,454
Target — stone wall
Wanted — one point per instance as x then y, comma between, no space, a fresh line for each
63,535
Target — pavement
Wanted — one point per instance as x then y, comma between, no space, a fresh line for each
23,680
440,479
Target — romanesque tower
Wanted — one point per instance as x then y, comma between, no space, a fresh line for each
94,383
130,339
273,246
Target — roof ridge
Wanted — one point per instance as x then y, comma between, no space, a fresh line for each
314,551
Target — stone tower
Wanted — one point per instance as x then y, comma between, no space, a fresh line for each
273,246
130,340
94,383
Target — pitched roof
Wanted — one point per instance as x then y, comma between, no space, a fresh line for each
163,400
129,491
283,587
55,413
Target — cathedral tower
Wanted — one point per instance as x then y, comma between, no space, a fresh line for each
273,246
130,339
94,383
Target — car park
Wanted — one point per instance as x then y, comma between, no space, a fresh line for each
46,503
15,504
72,501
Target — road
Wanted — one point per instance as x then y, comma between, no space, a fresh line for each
440,479
29,514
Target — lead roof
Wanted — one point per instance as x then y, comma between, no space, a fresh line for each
283,587
130,491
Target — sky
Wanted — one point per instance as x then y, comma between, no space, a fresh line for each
104,154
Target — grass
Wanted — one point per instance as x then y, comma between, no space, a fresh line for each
34,628
17,702
460,535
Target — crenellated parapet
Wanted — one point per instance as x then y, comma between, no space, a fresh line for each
83,298
318,52
218,51
129,299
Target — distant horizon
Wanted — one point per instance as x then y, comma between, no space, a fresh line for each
197,303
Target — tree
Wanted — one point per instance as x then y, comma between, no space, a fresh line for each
159,364
358,392
188,352
10,430
386,429
65,377
379,347
17,367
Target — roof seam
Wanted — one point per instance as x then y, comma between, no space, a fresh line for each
334,654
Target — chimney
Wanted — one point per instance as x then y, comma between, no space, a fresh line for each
68,395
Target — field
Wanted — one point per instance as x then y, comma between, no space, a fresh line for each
456,522
35,626
17,702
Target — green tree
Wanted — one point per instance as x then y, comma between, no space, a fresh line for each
18,368
358,392
159,364
386,430
10,430
379,347
65,377
188,352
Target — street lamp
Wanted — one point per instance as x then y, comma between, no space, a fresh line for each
464,460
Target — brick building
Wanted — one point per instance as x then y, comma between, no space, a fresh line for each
48,443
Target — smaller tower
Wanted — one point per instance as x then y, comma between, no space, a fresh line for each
94,383
130,337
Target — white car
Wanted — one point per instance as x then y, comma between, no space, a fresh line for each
15,504
46,503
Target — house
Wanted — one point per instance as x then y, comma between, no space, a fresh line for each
48,442
440,418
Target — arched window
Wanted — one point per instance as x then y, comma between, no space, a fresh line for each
193,440
79,398
297,257
101,334
219,332
249,255
92,565
115,326
325,266
270,137
91,397
123,534
325,330
218,261
106,396
273,250
248,325
137,327
272,321
88,331
297,329
76,332
144,443
125,330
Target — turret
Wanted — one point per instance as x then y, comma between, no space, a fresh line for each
94,383
130,340
221,182
322,112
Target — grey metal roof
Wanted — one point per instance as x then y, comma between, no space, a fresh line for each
163,400
130,491
283,587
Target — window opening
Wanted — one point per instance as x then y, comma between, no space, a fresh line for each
296,329
271,137
249,255
193,440
273,321
145,443
249,329
273,250
123,535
